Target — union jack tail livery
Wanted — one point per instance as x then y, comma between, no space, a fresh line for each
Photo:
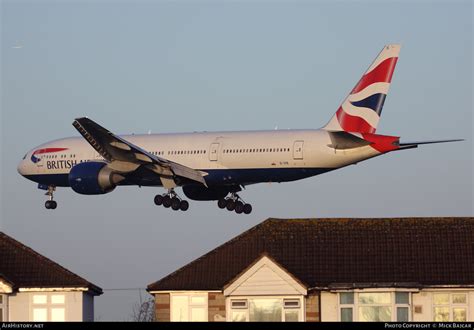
360,112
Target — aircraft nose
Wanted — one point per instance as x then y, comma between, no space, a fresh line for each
21,168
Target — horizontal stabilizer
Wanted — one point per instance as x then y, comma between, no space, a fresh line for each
410,144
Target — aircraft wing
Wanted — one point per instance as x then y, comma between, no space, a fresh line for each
125,156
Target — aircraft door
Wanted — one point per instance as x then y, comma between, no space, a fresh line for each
213,152
298,150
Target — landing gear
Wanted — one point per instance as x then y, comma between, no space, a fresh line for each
234,203
158,200
50,204
222,203
171,199
239,207
184,205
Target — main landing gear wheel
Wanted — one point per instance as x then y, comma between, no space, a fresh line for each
167,201
175,203
222,203
247,208
234,203
172,200
239,207
159,200
184,205
230,205
50,204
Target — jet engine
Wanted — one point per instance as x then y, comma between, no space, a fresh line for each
93,178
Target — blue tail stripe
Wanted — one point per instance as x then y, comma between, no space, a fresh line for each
374,102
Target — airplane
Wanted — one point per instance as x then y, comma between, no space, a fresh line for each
216,166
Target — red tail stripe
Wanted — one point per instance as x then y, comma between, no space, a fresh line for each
382,73
352,123
382,143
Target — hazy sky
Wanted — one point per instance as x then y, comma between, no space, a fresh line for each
180,66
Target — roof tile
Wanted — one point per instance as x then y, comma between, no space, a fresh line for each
26,268
321,252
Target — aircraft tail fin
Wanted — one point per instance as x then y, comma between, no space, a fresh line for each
360,112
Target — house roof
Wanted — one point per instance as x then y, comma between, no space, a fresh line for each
25,268
325,252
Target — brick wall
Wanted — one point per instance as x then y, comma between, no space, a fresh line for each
162,307
312,307
216,307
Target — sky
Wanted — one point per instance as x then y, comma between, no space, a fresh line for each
178,66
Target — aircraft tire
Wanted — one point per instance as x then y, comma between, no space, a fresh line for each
247,208
239,207
184,205
47,204
222,203
158,200
167,201
230,205
53,205
175,203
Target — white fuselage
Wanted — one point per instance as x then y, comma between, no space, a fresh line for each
287,154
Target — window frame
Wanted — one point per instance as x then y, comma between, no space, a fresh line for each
356,304
4,307
49,305
190,295
450,305
301,306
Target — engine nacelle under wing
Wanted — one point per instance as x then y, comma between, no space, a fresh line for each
93,178
201,193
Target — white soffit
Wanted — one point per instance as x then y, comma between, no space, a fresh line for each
265,277
5,288
51,289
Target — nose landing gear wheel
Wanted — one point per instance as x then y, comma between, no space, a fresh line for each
50,204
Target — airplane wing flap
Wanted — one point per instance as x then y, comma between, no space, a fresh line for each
119,151
187,172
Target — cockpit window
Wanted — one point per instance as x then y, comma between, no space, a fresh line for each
24,156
